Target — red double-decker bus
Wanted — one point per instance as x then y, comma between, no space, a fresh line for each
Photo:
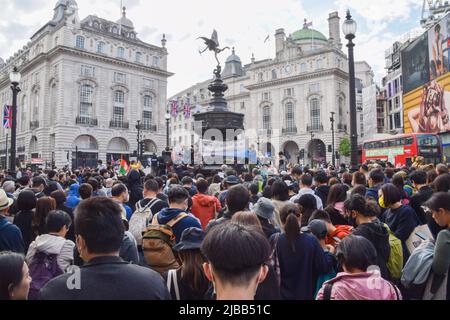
401,150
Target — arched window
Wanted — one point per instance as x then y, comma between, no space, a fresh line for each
341,107
53,103
147,112
274,74
80,42
290,119
119,108
315,114
86,105
267,121
120,52
35,111
138,57
114,29
100,47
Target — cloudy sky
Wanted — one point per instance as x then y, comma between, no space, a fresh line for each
240,23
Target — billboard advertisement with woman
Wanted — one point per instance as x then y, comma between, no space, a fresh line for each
426,109
438,46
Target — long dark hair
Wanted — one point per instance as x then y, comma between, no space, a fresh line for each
43,206
192,270
289,215
11,266
338,193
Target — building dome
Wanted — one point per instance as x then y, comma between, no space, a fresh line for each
124,21
308,34
233,66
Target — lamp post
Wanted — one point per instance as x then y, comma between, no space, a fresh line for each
14,77
349,28
139,149
332,139
167,116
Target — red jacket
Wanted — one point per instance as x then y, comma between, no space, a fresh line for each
341,232
204,207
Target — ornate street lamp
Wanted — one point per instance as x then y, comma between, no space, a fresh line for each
14,77
167,116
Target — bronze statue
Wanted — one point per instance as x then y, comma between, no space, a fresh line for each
213,45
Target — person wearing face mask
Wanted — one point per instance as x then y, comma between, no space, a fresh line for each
364,216
120,194
236,260
401,219
178,204
15,278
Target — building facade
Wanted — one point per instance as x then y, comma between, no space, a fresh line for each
287,101
85,84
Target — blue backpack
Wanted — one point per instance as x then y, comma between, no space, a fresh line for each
43,268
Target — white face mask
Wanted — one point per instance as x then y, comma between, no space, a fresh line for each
127,198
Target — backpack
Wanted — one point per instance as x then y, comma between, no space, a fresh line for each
157,243
141,219
43,268
395,261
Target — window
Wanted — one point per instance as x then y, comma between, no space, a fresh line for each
391,122
390,89
87,71
242,105
86,93
341,107
56,41
289,92
155,61
266,96
80,42
148,102
120,53
147,118
100,47
315,114
138,57
35,107
115,30
397,102
119,77
390,105
290,121
24,113
397,120
274,74
118,110
148,83
303,67
266,118
319,64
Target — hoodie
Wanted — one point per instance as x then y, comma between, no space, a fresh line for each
361,286
378,235
51,244
341,232
10,237
73,198
188,222
204,207
135,188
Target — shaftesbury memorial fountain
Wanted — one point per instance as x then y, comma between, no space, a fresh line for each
219,126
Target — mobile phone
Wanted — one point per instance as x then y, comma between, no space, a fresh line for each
421,236
337,239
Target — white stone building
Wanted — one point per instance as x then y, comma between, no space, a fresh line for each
84,86
290,97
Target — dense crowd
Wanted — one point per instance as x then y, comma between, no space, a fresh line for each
379,233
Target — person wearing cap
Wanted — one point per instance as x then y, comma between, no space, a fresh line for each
189,281
10,235
229,182
318,229
265,210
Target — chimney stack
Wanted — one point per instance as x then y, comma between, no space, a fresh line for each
335,29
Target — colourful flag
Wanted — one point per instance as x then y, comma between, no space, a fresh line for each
174,108
307,25
187,110
124,168
7,117
112,160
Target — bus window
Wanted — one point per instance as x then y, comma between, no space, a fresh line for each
427,141
409,141
391,143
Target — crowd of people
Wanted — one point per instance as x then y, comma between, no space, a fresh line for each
378,233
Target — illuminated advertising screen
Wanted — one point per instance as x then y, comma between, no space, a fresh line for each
438,47
415,64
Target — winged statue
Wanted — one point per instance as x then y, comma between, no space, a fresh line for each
213,45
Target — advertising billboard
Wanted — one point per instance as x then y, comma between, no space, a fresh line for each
426,109
438,47
416,64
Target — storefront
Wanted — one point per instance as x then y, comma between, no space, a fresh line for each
445,139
